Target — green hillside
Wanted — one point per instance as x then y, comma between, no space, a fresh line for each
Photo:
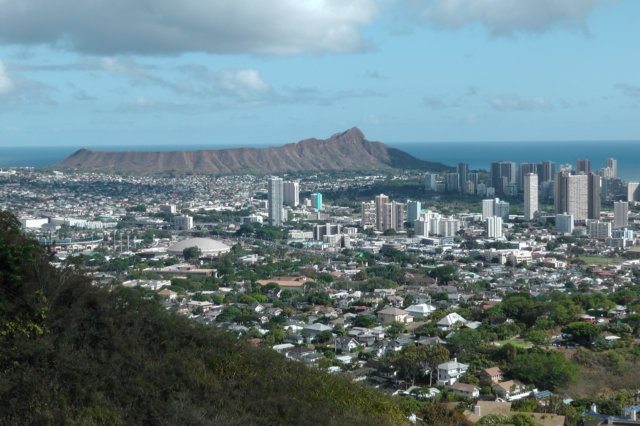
71,353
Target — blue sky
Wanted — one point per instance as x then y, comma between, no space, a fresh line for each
245,72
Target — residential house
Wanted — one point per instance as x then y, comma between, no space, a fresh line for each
389,315
420,311
511,390
464,390
491,376
449,372
347,344
450,321
314,329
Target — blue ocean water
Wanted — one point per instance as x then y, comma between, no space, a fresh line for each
478,155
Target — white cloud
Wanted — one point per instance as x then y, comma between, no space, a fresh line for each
6,84
242,83
506,17
519,103
111,27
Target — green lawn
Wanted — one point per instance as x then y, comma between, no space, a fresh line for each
599,260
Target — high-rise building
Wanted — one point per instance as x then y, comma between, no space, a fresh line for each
421,227
564,223
452,182
183,222
393,216
546,171
594,196
316,201
495,207
633,191
501,209
571,195
274,196
431,181
463,172
487,208
290,193
583,166
494,227
414,209
530,195
598,229
620,214
612,163
503,173
525,168
368,214
380,201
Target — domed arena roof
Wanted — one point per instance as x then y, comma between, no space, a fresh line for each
208,246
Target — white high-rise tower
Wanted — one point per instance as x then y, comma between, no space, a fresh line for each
530,195
274,195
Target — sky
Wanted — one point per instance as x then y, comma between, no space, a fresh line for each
247,72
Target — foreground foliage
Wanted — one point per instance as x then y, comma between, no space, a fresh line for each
71,353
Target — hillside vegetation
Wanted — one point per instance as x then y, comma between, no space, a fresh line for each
71,353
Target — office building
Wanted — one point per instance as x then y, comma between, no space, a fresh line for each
452,182
620,214
463,172
380,201
183,222
501,209
564,223
495,207
274,196
524,169
290,193
598,229
571,195
168,208
530,183
431,181
494,227
546,171
612,163
316,201
414,209
319,231
583,166
594,196
503,174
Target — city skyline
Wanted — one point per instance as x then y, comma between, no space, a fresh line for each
437,70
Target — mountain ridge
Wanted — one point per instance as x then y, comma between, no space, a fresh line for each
347,150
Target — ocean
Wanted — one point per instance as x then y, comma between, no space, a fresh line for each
478,155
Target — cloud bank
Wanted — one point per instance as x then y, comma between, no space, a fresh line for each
507,17
109,27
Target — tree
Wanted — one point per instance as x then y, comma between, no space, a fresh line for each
191,254
583,332
394,329
364,321
417,361
521,419
546,369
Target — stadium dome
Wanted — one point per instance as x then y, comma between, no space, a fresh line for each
209,247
